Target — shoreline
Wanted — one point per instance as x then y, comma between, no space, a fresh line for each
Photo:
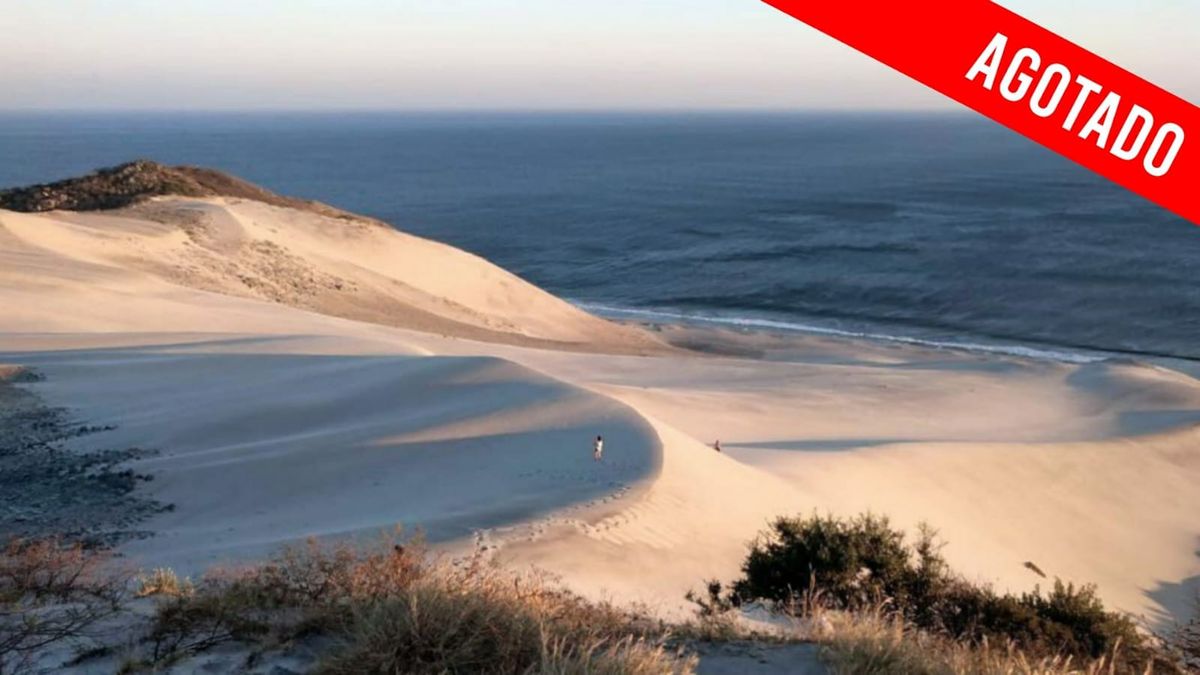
733,326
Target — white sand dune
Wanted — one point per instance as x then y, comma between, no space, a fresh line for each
354,269
307,375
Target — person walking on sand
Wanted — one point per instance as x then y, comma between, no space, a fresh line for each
598,448
717,445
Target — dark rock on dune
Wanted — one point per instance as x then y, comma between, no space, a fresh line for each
47,489
134,182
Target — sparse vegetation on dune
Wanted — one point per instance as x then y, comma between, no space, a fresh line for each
134,182
874,603
51,593
876,642
392,608
472,620
883,605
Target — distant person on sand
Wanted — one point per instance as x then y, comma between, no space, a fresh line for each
598,448
717,445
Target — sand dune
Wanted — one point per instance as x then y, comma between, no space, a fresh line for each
339,267
299,374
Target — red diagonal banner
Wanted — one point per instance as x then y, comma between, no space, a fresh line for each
1032,81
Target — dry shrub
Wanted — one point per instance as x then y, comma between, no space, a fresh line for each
475,618
163,581
190,624
304,588
392,609
317,575
52,592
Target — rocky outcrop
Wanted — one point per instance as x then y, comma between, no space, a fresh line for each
130,183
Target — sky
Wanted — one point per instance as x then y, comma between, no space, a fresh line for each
504,54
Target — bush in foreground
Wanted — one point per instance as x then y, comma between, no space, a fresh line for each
863,565
53,593
387,608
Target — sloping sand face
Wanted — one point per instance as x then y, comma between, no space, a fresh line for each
260,442
345,268
282,406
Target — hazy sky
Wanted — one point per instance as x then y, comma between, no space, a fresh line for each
525,54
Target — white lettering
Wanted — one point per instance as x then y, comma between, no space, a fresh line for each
1123,133
989,61
1088,88
1064,81
1102,120
1138,114
1159,170
1014,71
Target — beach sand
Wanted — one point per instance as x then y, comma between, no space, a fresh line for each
292,374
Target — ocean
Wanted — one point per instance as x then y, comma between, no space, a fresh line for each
943,229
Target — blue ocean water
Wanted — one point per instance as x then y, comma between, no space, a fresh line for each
942,228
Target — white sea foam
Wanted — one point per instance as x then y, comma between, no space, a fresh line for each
668,316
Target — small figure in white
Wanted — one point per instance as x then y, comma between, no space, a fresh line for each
598,448
717,445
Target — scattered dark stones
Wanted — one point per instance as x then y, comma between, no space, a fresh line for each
50,490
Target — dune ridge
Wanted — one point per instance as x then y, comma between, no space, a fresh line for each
339,267
297,373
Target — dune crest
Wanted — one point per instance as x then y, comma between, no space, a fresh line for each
135,182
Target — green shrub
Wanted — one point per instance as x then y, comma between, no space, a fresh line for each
855,562
863,563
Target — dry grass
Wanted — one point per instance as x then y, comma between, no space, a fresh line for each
484,624
627,656
384,608
877,640
163,581
872,643
390,608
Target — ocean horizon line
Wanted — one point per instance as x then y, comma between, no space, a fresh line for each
501,111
